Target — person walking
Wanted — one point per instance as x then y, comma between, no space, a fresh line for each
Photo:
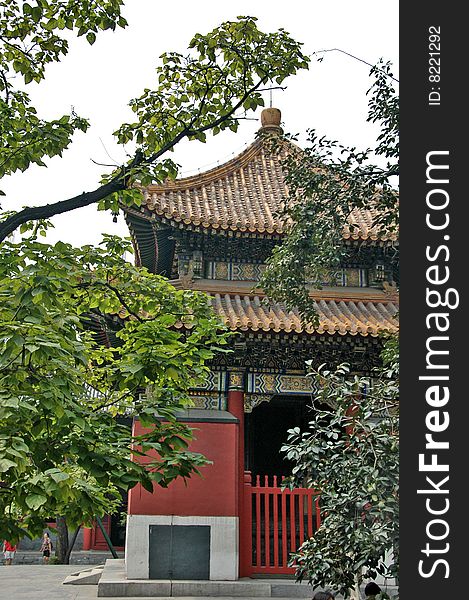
46,548
9,551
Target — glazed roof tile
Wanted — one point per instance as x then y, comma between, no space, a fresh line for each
343,311
251,312
245,194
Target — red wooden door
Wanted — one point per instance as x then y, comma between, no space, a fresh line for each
97,538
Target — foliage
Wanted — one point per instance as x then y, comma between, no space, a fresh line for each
83,332
326,182
352,458
349,456
223,72
33,36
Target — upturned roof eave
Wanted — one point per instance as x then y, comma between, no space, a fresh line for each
191,203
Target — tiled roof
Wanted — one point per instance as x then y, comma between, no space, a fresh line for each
360,226
351,311
252,313
245,194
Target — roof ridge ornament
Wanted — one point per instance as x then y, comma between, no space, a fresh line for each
270,121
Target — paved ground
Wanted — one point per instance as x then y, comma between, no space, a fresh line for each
44,582
39,582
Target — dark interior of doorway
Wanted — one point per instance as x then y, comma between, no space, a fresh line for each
118,519
266,432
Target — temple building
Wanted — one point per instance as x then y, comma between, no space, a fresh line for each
213,232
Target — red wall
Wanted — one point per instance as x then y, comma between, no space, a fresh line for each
213,494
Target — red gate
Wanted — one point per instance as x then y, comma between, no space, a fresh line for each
275,523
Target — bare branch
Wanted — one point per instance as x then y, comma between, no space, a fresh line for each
354,57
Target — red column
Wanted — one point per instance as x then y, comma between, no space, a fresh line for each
236,408
87,538
245,534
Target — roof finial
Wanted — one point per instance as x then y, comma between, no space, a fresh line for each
270,119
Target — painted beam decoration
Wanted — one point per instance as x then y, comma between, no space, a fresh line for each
258,387
261,387
236,271
211,393
264,383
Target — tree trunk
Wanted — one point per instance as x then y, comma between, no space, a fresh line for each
61,549
355,591
72,543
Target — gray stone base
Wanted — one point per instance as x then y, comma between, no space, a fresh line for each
114,584
224,553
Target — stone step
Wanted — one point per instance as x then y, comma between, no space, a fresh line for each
86,577
113,584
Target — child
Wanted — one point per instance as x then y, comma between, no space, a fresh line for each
8,552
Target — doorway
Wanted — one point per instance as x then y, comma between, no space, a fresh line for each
266,432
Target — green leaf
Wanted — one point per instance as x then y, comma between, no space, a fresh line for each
147,485
6,464
172,373
35,501
36,13
59,476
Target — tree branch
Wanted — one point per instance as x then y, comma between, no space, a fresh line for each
7,85
49,210
119,182
116,401
355,58
124,303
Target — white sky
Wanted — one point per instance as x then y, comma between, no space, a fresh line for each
99,80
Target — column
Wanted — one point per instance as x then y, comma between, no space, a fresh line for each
87,538
236,408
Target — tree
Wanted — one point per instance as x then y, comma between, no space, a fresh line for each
326,182
223,72
84,334
350,455
61,390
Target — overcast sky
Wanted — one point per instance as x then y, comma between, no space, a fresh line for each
99,80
